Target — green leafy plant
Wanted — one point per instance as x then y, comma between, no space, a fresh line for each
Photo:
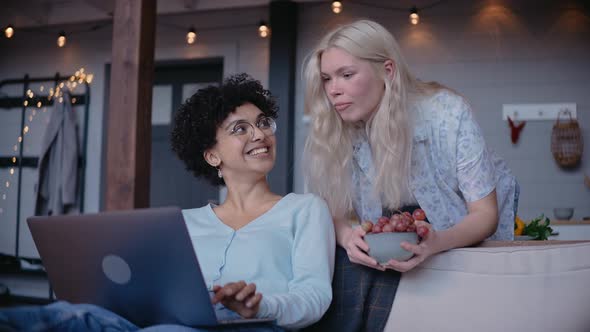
538,228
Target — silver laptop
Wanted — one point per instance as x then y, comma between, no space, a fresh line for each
139,264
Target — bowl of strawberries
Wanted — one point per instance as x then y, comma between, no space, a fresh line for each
385,236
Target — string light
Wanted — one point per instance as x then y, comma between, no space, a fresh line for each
263,30
61,39
414,17
9,31
191,36
337,7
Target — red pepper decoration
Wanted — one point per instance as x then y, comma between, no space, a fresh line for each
515,130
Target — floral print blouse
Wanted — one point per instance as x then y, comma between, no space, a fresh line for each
450,166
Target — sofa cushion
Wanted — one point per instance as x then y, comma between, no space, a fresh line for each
531,288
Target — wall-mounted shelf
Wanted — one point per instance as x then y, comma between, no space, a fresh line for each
526,112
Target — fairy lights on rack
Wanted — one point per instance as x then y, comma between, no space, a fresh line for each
79,78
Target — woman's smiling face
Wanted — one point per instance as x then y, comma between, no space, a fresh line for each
244,143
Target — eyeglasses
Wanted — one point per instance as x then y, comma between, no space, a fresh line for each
242,128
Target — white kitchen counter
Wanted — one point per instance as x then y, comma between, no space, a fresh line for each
571,230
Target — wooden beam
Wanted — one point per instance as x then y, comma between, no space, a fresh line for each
130,103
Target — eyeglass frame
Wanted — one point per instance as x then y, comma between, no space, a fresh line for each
272,127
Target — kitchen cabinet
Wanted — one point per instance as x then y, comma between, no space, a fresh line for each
571,230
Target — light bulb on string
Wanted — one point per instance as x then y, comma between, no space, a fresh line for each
191,36
337,7
263,30
61,39
414,17
9,31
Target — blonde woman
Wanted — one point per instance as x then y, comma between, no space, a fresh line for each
380,139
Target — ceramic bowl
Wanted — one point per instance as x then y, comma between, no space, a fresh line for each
386,246
563,213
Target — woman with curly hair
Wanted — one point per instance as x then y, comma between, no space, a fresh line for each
227,136
253,248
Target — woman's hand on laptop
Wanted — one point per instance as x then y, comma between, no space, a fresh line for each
239,297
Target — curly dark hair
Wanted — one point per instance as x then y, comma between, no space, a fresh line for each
196,121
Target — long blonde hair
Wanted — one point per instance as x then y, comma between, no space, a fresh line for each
328,148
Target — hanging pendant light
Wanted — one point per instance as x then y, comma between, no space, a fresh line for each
414,17
337,7
263,30
9,31
61,39
191,36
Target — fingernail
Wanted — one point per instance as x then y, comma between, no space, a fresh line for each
248,304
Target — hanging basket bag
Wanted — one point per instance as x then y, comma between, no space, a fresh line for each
566,141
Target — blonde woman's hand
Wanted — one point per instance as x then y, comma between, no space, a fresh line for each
421,251
239,297
356,249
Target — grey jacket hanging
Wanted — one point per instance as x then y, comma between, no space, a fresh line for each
58,162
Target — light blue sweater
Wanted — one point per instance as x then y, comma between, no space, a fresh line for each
288,252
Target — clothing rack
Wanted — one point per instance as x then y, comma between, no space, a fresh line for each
10,103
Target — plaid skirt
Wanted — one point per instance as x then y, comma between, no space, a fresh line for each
362,297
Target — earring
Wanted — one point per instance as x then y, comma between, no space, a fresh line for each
219,173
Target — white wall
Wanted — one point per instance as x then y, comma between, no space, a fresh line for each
494,53
231,34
